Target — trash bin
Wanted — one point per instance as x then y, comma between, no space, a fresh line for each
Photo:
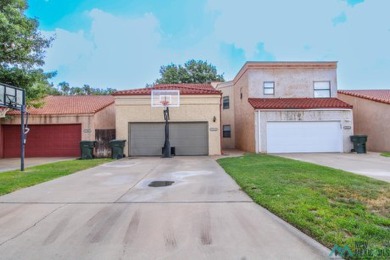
359,143
86,148
117,148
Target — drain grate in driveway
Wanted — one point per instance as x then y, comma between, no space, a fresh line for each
160,183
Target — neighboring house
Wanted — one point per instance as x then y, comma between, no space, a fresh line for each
57,128
194,126
227,114
281,107
371,116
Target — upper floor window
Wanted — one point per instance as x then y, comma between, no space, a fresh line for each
269,88
322,89
225,102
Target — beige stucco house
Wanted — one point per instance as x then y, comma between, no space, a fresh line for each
57,128
371,116
282,107
194,126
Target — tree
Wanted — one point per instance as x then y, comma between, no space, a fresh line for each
192,72
65,89
22,49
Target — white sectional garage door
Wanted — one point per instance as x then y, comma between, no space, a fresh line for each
147,139
304,137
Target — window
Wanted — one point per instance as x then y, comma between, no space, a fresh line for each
269,88
225,101
321,89
226,131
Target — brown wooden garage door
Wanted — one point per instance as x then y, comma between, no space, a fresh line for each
43,141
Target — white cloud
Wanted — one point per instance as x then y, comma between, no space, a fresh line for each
117,52
68,50
305,30
122,52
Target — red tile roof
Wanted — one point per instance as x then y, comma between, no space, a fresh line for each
185,89
66,105
297,103
378,95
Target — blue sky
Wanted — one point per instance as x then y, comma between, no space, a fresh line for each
122,43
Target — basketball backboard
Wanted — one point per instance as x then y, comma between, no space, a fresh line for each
11,97
165,98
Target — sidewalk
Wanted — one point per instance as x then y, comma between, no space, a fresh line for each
10,164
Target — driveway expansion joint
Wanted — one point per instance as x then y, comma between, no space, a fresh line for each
30,227
128,202
142,178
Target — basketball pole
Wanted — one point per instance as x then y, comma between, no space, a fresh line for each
22,133
167,144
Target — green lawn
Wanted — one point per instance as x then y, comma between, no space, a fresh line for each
14,180
332,206
387,154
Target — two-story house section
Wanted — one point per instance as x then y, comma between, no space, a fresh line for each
287,107
227,113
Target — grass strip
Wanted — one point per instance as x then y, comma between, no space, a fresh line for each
330,205
14,180
387,154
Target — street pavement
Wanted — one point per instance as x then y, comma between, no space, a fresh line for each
370,164
110,212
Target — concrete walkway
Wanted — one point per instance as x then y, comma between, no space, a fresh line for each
371,164
110,212
14,163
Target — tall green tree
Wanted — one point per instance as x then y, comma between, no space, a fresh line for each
193,71
22,50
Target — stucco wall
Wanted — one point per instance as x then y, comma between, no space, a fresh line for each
105,118
243,116
227,115
202,108
372,119
86,121
343,116
290,82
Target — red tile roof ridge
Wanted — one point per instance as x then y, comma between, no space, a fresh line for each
185,89
297,103
69,105
377,95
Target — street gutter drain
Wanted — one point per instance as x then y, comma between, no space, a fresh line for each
160,183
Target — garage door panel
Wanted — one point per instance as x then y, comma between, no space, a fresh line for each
147,139
44,141
291,137
189,138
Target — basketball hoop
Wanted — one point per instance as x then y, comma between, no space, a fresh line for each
3,111
165,98
164,103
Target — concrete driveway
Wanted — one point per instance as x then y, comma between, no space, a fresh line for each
110,212
370,164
